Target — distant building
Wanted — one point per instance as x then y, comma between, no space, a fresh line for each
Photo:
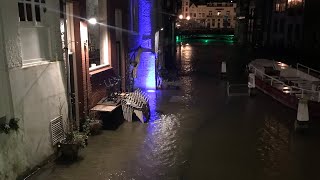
276,23
211,15
311,28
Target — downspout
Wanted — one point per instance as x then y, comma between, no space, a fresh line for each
67,64
6,69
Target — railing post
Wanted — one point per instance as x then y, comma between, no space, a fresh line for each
302,95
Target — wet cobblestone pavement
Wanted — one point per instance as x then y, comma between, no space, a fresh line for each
197,132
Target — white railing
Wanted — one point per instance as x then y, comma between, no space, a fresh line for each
309,70
313,95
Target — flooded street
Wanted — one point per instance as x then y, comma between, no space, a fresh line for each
197,132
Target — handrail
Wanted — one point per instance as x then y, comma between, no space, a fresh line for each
308,68
284,84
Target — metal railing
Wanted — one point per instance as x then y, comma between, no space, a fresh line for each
308,69
305,93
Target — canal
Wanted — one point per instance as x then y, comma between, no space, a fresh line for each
197,132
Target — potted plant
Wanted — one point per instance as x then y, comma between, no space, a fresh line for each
70,146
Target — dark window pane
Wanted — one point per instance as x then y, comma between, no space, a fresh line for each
43,1
29,12
37,9
21,12
36,0
28,0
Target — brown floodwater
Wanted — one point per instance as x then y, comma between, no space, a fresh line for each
197,132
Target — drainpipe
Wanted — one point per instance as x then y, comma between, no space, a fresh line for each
67,64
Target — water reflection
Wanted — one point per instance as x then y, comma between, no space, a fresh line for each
273,145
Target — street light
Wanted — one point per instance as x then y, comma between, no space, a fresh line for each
188,18
92,21
180,16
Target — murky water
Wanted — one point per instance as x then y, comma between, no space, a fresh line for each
197,132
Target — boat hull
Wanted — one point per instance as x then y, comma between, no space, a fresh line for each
287,99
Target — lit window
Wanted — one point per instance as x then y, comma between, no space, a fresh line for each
293,3
280,6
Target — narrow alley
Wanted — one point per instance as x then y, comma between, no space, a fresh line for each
197,132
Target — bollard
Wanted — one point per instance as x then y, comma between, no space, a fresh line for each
251,84
302,121
223,69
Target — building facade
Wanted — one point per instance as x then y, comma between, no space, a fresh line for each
33,82
276,24
311,34
211,15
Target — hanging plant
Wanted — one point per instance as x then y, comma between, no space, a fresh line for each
11,126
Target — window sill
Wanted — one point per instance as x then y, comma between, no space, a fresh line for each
99,69
38,63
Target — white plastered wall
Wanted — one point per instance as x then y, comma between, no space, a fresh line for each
37,92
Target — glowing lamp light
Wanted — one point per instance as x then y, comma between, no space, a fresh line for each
151,90
218,13
92,21
188,18
162,29
180,16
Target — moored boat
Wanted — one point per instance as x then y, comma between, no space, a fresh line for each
288,84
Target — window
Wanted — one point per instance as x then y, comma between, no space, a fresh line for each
280,5
289,35
297,32
203,14
210,13
282,26
294,3
98,38
186,8
213,22
134,15
31,10
228,12
187,3
275,26
34,34
195,15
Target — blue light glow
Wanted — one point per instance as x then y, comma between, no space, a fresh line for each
151,90
146,74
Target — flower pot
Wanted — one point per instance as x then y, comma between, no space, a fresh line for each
69,151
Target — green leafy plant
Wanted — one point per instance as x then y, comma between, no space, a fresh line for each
76,138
